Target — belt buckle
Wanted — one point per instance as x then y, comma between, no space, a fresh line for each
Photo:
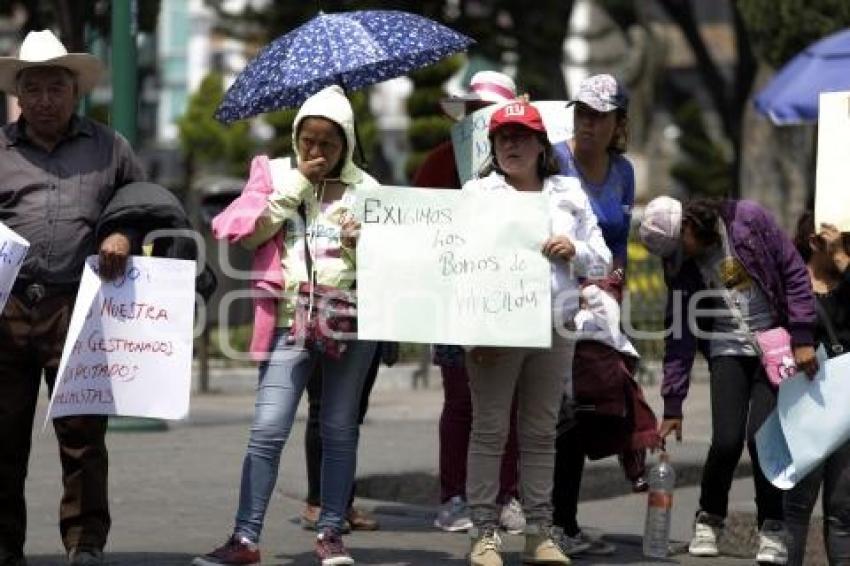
35,292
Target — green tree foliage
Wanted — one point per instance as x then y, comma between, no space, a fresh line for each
281,122
779,29
728,91
703,168
534,33
208,143
73,17
265,23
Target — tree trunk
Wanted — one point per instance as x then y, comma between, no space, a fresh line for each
71,25
777,160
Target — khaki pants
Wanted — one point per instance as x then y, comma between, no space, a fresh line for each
31,340
540,378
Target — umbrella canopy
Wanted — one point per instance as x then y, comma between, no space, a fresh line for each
351,49
791,97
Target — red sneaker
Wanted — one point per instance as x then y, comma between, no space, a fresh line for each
330,550
235,552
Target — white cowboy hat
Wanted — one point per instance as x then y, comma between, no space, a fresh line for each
486,86
42,49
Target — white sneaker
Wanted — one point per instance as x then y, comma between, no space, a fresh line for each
773,543
512,518
453,516
707,529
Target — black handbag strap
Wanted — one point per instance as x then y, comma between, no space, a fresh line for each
834,343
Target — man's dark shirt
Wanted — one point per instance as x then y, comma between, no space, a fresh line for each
53,199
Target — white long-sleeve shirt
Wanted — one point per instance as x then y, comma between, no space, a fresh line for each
572,216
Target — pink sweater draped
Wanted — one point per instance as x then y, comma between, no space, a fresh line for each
235,223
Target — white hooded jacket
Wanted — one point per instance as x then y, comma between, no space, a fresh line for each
334,264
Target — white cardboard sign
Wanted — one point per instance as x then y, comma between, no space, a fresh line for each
129,345
453,267
832,194
13,251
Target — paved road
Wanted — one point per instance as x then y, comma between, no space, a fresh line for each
174,493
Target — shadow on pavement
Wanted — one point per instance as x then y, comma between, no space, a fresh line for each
605,481
122,559
378,556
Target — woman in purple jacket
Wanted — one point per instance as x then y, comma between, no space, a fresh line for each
730,256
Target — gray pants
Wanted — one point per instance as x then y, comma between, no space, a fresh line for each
540,378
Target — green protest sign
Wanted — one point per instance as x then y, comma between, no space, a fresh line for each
446,266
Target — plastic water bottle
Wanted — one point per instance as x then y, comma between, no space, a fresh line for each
656,531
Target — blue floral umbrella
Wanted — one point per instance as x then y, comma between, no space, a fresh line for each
351,49
791,97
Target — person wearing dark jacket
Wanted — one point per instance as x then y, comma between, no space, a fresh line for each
827,255
732,255
152,213
58,170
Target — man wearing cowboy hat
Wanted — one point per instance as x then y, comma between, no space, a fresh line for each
57,172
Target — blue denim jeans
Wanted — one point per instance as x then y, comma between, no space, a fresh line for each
282,381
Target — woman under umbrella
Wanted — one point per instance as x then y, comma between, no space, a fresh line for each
309,207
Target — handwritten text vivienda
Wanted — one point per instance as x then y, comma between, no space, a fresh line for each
472,300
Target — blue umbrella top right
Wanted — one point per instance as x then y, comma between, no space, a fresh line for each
791,97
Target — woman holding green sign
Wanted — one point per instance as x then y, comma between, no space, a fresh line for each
522,160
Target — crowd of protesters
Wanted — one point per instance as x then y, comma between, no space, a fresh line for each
518,423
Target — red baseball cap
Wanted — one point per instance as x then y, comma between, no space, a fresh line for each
521,113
